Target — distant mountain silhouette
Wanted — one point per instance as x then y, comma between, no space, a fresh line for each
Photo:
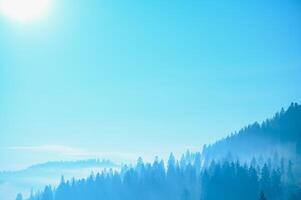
280,135
37,176
75,164
56,166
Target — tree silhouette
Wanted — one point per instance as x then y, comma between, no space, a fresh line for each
262,196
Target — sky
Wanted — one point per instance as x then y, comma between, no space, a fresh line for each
127,78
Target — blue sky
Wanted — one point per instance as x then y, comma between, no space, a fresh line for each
128,78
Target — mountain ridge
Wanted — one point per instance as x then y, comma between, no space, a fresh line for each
280,134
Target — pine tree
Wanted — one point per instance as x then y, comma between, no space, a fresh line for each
265,181
262,196
290,175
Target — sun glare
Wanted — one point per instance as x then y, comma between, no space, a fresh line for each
24,10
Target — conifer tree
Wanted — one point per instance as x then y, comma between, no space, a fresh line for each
262,196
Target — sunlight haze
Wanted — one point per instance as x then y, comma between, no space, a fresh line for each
140,78
24,11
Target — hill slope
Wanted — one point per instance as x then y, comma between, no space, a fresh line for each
279,135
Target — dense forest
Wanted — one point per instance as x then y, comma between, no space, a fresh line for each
280,134
261,161
182,180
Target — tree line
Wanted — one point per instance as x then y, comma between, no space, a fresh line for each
184,179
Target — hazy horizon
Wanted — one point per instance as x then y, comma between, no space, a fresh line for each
123,79
55,152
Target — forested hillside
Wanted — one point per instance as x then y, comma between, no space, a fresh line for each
180,180
261,161
280,135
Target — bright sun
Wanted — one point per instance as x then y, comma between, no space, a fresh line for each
24,10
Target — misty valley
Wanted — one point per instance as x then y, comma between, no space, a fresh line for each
259,162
